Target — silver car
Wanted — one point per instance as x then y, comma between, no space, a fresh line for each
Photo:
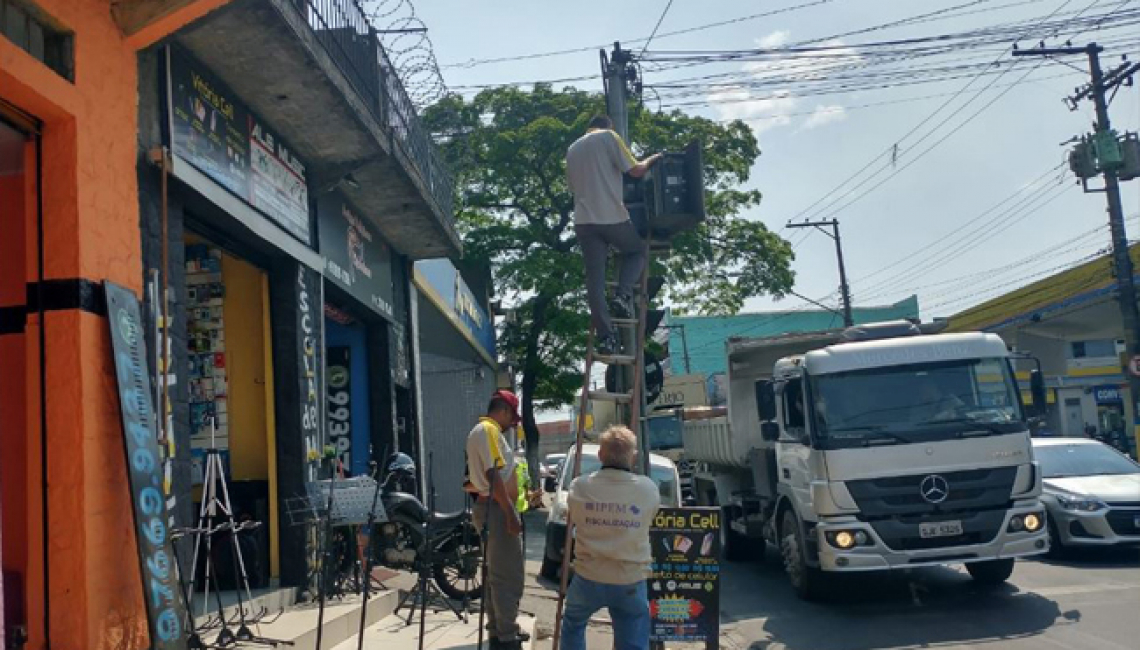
1092,493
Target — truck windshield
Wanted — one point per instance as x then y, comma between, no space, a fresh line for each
920,402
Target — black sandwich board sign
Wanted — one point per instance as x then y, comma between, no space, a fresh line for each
165,606
684,587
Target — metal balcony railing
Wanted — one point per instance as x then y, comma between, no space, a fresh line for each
350,40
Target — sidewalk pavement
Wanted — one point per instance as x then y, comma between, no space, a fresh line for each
441,632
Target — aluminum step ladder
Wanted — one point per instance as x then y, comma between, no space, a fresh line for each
632,401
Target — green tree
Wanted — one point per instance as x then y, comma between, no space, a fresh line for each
507,149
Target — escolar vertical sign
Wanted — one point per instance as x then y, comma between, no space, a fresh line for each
165,606
684,588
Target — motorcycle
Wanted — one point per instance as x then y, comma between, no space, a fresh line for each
399,542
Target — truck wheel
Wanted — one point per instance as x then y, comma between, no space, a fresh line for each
806,580
734,546
990,572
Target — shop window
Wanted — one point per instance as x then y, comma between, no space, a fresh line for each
1093,349
34,32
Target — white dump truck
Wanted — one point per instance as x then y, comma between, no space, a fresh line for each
876,447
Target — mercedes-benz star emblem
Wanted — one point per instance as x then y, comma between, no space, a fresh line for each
934,489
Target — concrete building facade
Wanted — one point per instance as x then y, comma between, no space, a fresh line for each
198,153
1071,323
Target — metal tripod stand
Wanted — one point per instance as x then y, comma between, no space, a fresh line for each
215,507
425,589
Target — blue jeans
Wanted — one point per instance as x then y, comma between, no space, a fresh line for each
629,610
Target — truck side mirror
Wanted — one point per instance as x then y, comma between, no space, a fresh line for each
1037,391
766,400
769,431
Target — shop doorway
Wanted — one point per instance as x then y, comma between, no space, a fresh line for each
346,366
1074,417
19,450
230,393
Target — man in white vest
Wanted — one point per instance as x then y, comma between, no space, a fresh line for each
611,510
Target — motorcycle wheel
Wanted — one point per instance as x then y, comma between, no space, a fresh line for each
457,565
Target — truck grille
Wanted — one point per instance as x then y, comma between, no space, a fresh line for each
970,490
902,534
1123,522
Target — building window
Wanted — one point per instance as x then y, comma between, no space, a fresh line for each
1093,349
37,34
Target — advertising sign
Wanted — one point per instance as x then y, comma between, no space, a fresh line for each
277,183
684,390
684,588
356,258
1107,395
214,132
443,282
339,377
165,606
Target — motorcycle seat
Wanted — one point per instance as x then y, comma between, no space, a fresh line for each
448,519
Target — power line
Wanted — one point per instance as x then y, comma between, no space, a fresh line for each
656,27
593,48
1009,216
807,212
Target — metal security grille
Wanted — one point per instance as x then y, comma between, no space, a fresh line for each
455,394
34,32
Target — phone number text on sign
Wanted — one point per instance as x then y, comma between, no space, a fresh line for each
164,603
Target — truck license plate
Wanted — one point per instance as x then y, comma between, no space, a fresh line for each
940,529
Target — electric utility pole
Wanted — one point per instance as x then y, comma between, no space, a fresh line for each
1107,159
844,288
616,72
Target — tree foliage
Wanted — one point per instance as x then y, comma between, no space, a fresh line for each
507,149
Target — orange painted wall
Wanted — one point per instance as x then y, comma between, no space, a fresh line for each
91,226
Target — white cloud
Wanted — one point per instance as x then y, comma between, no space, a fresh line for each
766,102
823,115
761,113
776,39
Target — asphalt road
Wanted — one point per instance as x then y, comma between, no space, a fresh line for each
1088,601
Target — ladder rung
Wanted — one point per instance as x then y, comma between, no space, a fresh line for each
606,396
625,322
615,359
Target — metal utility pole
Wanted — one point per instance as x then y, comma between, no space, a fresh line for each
844,288
684,343
1096,90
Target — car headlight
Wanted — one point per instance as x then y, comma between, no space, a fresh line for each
847,539
1080,503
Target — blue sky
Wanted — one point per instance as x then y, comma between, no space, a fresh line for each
811,144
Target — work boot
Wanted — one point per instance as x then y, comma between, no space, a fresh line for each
608,345
621,306
515,644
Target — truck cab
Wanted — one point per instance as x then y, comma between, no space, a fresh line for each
885,449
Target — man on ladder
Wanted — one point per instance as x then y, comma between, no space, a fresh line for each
594,167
